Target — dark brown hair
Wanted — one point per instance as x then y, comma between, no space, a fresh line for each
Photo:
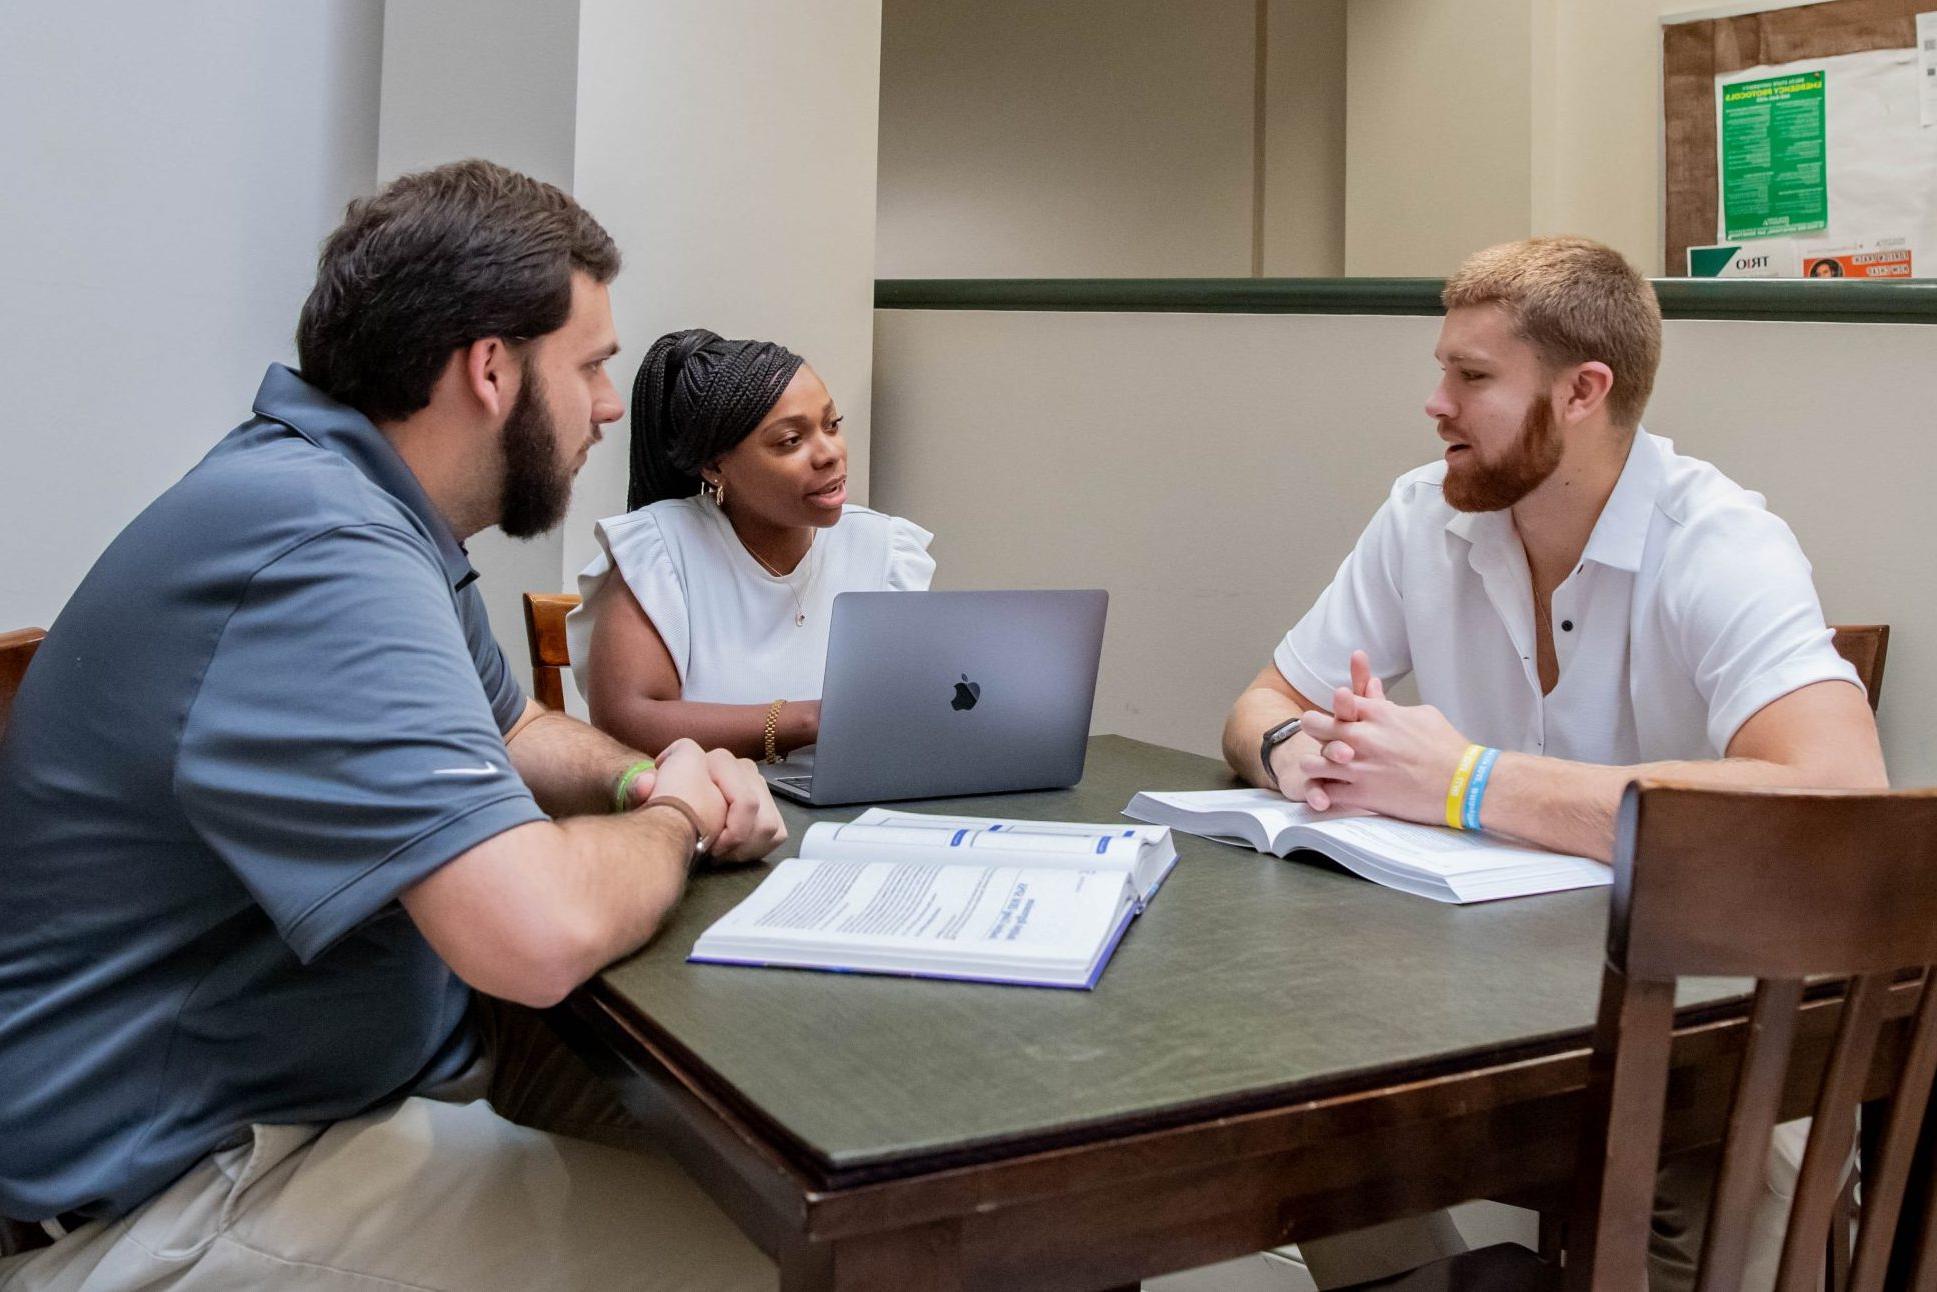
429,264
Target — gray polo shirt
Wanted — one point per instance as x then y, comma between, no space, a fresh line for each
272,706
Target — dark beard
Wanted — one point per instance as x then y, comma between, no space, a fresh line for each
535,489
1497,486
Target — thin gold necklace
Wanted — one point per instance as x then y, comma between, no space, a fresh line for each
800,606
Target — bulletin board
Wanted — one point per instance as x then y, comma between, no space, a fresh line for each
1844,82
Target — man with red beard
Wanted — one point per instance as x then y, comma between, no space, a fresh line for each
1579,605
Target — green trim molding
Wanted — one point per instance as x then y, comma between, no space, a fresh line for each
1784,300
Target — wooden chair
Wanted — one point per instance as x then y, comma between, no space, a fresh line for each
16,650
1865,646
1731,883
545,633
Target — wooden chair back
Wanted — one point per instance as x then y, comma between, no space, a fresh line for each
1780,886
1865,646
545,633
16,650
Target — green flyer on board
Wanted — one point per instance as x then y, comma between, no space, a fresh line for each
1773,156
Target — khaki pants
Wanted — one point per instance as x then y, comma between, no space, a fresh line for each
492,1183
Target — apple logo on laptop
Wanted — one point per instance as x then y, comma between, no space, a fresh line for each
966,694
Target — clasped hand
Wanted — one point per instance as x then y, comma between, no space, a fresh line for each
728,794
1373,754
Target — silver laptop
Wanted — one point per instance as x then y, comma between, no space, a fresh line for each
932,694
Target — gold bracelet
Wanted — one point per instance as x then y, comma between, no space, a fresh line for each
773,731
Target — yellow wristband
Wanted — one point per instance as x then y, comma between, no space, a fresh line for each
622,793
1456,792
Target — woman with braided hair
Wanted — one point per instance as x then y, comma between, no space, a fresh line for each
705,613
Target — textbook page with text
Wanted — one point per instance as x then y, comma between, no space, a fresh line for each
1023,902
1430,861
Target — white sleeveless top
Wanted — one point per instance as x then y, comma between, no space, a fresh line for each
727,623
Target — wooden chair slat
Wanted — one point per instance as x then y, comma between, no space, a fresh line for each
545,637
1627,1084
1842,1222
1884,1183
1752,1119
16,652
1832,1132
1865,646
1924,1278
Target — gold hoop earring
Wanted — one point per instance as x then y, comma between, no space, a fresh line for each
716,490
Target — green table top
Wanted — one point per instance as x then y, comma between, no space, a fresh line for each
1248,980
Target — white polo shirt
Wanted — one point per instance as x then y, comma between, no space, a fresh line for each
1691,609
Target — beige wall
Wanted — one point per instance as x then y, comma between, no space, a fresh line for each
445,66
1115,138
1109,138
1439,145
1304,139
1211,471
1086,137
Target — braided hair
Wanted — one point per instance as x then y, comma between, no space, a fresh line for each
698,395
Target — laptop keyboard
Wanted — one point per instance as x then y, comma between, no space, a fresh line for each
801,783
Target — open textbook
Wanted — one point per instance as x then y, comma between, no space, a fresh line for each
1037,903
1431,861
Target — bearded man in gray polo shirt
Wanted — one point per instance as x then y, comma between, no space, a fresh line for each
288,849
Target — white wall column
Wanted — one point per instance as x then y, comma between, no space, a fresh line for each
496,79
730,149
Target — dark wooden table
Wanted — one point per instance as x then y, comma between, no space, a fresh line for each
1278,1051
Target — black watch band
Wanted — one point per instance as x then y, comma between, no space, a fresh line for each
1276,736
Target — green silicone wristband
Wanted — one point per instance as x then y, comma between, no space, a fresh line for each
622,796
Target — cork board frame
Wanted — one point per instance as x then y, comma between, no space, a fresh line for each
1693,54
